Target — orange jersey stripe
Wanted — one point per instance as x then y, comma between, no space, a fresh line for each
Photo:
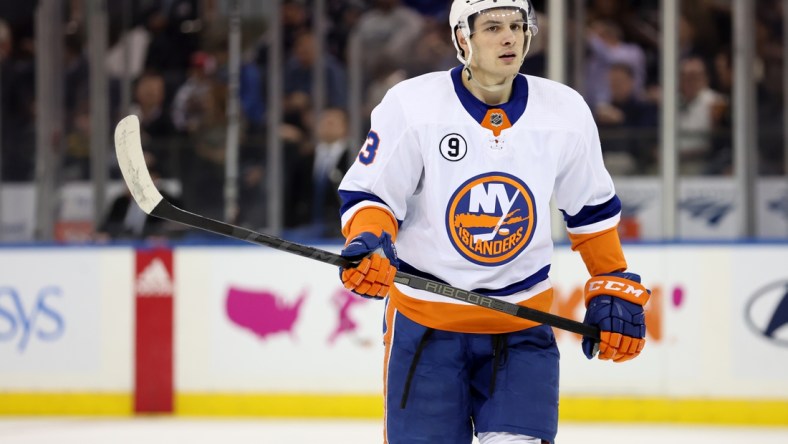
600,251
467,318
373,219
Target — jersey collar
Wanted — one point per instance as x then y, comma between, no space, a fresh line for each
514,108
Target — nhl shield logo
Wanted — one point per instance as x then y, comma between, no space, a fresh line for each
496,121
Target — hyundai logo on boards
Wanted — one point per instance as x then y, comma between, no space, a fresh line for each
766,312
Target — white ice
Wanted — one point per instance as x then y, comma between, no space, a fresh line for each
154,430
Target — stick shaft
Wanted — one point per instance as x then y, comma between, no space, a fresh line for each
165,210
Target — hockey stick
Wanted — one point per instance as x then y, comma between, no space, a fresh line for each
128,146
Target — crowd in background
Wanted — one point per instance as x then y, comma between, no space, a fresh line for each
179,61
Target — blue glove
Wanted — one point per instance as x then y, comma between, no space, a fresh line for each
374,274
615,304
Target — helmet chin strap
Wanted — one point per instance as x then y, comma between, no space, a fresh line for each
488,88
499,87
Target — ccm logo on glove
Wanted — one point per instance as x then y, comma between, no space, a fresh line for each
621,287
617,287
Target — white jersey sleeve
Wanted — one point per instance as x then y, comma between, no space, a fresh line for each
388,167
584,190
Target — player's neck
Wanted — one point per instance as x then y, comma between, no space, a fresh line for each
488,90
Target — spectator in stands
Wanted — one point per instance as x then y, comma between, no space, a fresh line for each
199,112
605,49
18,103
76,73
204,178
639,22
434,51
700,111
128,51
721,161
388,32
296,133
156,127
698,34
686,38
385,75
188,107
76,159
344,16
770,125
252,188
770,14
769,57
296,20
250,88
627,125
332,157
6,45
171,41
723,72
148,106
299,67
161,54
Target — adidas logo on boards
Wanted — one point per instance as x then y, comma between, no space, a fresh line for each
154,280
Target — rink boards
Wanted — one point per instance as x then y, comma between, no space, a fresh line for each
248,331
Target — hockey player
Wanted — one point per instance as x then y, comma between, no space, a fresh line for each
458,170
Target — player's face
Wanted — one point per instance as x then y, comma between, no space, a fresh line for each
498,39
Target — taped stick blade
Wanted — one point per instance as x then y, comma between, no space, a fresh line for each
128,147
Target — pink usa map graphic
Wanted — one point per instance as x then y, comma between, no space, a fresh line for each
265,313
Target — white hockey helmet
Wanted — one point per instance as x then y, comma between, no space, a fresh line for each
461,10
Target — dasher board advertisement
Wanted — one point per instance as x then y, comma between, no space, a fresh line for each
49,312
265,321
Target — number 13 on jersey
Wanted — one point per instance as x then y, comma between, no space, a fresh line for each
370,149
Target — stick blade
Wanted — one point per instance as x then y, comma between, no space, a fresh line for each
128,147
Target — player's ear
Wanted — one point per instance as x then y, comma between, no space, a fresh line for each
462,41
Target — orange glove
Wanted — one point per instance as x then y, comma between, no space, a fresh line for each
374,274
615,304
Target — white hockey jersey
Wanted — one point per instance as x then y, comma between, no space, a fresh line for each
470,187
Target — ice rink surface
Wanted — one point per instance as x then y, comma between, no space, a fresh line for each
155,430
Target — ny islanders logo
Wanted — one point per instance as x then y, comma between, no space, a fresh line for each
491,218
